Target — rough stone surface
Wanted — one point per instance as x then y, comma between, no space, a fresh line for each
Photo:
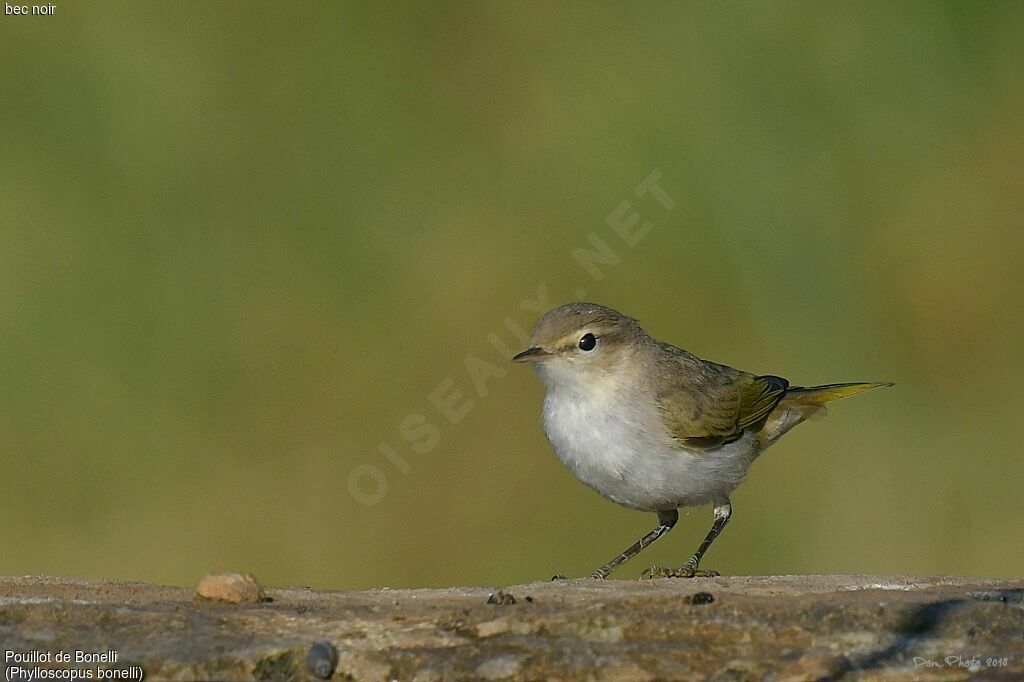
755,628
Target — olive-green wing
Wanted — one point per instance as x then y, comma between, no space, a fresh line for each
715,408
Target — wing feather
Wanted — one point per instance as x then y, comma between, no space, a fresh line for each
710,405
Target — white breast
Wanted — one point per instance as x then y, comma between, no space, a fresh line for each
625,453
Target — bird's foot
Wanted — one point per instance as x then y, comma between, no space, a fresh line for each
686,571
596,575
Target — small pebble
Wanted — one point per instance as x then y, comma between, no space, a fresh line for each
702,598
322,659
234,588
501,598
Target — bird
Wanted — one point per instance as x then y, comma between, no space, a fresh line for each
655,428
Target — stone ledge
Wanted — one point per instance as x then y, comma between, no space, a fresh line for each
743,628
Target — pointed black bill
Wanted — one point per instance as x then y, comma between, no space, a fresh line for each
531,355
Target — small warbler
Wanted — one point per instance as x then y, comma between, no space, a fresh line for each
653,427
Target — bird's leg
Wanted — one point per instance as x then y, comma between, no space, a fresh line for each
723,510
666,519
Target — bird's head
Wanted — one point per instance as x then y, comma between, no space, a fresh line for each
579,340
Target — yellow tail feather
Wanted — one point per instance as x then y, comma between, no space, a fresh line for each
802,403
819,395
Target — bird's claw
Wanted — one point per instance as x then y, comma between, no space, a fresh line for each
558,576
683,572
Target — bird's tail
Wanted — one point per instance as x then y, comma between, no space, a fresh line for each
801,403
818,396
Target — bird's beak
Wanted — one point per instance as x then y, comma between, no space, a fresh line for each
533,354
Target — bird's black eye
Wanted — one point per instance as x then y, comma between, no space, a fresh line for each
588,342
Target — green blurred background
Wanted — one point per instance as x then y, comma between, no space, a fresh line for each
240,243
